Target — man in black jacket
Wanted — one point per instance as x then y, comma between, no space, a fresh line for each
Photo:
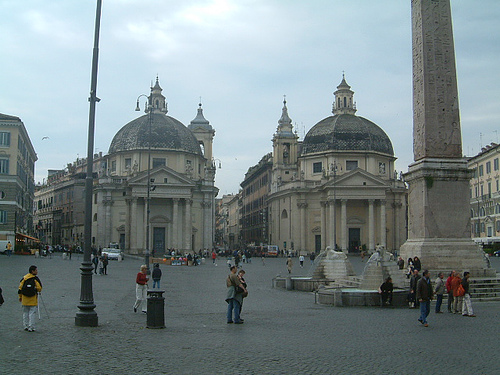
424,296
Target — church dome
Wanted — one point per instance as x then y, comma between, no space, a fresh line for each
167,133
346,132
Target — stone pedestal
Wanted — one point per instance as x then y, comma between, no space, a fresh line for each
438,220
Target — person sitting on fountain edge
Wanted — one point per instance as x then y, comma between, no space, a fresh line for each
385,291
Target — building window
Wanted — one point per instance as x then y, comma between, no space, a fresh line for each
4,166
350,165
113,166
488,167
498,225
317,167
5,139
159,162
497,182
3,217
2,194
481,170
495,164
128,163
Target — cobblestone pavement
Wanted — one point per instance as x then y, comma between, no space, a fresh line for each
284,332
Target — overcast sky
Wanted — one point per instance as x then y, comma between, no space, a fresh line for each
240,57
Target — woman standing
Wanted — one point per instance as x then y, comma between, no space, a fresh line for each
467,304
141,288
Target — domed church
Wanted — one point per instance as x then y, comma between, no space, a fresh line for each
337,187
182,191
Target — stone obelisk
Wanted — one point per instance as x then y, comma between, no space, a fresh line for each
438,200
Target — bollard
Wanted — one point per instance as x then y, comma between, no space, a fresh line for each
156,309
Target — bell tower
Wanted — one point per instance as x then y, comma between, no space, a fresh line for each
285,148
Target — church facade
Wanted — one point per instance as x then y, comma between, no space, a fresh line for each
337,187
182,191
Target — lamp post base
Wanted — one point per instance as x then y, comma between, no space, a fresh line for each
86,319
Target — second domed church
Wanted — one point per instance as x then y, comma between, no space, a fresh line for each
337,187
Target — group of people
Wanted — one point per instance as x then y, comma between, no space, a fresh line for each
141,286
236,292
100,263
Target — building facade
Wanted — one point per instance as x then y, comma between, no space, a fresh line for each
338,187
485,196
182,192
255,189
17,169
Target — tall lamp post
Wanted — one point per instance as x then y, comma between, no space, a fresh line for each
87,317
149,110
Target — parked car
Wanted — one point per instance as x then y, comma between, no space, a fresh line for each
497,253
113,254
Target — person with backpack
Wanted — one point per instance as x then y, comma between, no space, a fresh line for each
156,275
29,287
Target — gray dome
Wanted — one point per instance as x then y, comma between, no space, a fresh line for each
167,133
347,133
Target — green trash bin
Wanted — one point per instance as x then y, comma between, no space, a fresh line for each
156,309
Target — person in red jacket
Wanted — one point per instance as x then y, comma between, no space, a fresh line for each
449,291
457,299
141,287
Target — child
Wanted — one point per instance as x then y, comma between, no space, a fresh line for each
101,266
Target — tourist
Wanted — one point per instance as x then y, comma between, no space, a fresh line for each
214,257
449,290
29,287
233,299
301,261
289,264
8,249
424,296
156,275
101,266
456,281
312,257
141,287
439,291
467,304
385,291
416,264
95,262
244,293
105,262
401,263
409,268
413,289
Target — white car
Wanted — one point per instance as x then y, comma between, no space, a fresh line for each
113,254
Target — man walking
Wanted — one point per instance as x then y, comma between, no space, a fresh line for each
439,284
29,287
424,296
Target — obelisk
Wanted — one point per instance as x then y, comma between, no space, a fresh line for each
438,200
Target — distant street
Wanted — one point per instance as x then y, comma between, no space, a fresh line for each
284,332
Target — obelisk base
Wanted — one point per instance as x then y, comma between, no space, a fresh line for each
446,254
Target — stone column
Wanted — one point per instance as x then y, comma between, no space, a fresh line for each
383,225
343,225
188,225
323,225
302,232
332,233
175,227
371,225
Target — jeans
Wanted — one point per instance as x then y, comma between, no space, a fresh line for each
439,301
425,308
450,301
233,305
156,282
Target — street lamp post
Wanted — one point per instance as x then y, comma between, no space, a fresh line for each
149,111
87,317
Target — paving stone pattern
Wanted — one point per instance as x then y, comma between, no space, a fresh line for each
284,332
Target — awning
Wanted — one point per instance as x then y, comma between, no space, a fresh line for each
28,237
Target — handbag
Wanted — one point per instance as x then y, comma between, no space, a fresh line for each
460,290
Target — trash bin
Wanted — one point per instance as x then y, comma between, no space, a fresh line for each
156,309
